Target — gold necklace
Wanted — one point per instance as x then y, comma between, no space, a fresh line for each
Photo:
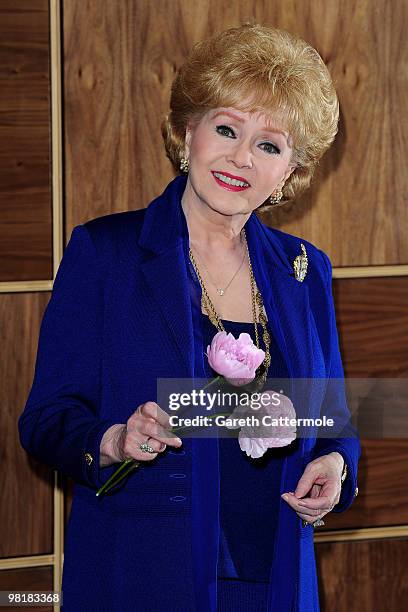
220,291
262,371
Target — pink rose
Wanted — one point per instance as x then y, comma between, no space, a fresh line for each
255,441
236,360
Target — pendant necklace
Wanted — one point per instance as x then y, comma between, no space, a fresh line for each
262,370
219,290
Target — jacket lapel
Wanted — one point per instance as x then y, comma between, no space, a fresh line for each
286,299
164,238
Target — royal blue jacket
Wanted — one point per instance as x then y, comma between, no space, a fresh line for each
118,319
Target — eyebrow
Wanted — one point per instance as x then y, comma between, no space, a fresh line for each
265,128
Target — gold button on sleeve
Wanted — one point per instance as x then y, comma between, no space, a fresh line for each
88,458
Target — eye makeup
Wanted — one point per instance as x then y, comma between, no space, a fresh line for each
265,128
222,129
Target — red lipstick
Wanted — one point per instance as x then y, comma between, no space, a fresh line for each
228,186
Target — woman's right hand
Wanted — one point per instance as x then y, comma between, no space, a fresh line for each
148,423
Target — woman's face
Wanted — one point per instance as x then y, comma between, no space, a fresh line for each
237,159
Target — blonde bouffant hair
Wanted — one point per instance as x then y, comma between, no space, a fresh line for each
272,70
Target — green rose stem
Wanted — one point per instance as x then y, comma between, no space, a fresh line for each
127,466
133,464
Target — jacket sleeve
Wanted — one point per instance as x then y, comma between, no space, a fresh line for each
60,425
335,406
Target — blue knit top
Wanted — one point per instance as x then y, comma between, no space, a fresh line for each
249,488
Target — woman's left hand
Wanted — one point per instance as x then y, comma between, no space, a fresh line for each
321,481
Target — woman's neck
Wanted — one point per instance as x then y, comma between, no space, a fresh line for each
212,231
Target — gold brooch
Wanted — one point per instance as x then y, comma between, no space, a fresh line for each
300,264
88,458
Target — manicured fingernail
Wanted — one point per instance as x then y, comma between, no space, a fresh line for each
285,496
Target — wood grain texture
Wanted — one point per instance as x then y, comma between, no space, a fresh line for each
25,173
383,497
27,579
373,331
356,208
373,326
26,511
368,575
120,60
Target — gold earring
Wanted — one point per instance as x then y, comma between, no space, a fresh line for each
184,165
276,196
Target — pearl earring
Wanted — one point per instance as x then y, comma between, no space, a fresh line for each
276,196
184,165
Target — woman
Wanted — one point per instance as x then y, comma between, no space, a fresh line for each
139,296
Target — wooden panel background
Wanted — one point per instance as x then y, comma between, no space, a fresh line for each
369,575
373,325
383,497
26,254
26,519
117,89
32,579
119,61
25,186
